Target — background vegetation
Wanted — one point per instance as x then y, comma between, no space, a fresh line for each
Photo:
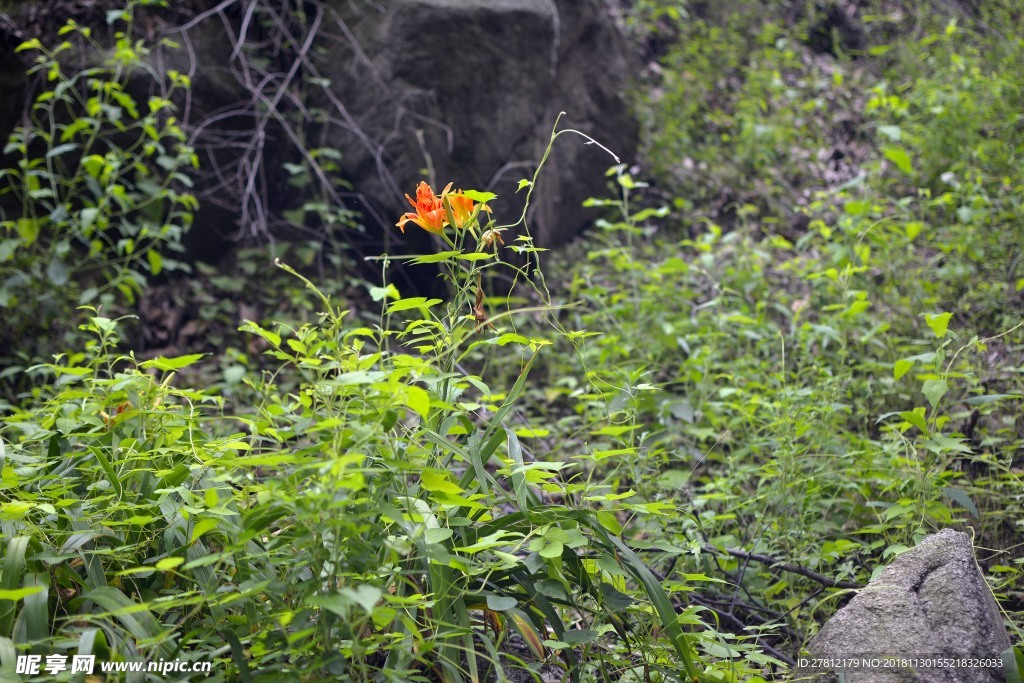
789,350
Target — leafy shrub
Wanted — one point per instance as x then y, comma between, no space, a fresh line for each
381,517
780,395
96,196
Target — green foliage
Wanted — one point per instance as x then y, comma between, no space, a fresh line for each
769,389
97,197
378,513
738,113
580,476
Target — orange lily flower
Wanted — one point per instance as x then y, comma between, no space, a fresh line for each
462,207
429,214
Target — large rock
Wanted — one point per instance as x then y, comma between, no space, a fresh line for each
931,602
473,88
468,88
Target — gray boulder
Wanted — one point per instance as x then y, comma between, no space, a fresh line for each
930,603
472,89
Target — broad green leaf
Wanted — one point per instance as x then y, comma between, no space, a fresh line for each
939,322
273,338
156,262
482,197
892,132
960,497
381,293
580,636
552,550
916,418
32,44
365,595
412,302
438,482
57,272
901,367
87,217
437,535
934,390
899,157
418,401
203,526
501,603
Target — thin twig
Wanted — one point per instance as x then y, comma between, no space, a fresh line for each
785,566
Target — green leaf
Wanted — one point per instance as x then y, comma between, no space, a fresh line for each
435,258
19,593
939,322
522,624
501,603
916,418
579,636
94,165
934,390
135,617
32,44
11,572
169,563
412,302
76,126
61,149
36,613
519,486
176,363
482,197
990,398
272,338
960,497
28,230
523,183
365,595
892,132
438,482
202,526
552,550
437,535
156,262
87,217
57,272
233,374
381,293
418,400
901,367
899,157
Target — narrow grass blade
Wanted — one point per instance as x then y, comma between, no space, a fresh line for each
11,574
136,618
35,613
